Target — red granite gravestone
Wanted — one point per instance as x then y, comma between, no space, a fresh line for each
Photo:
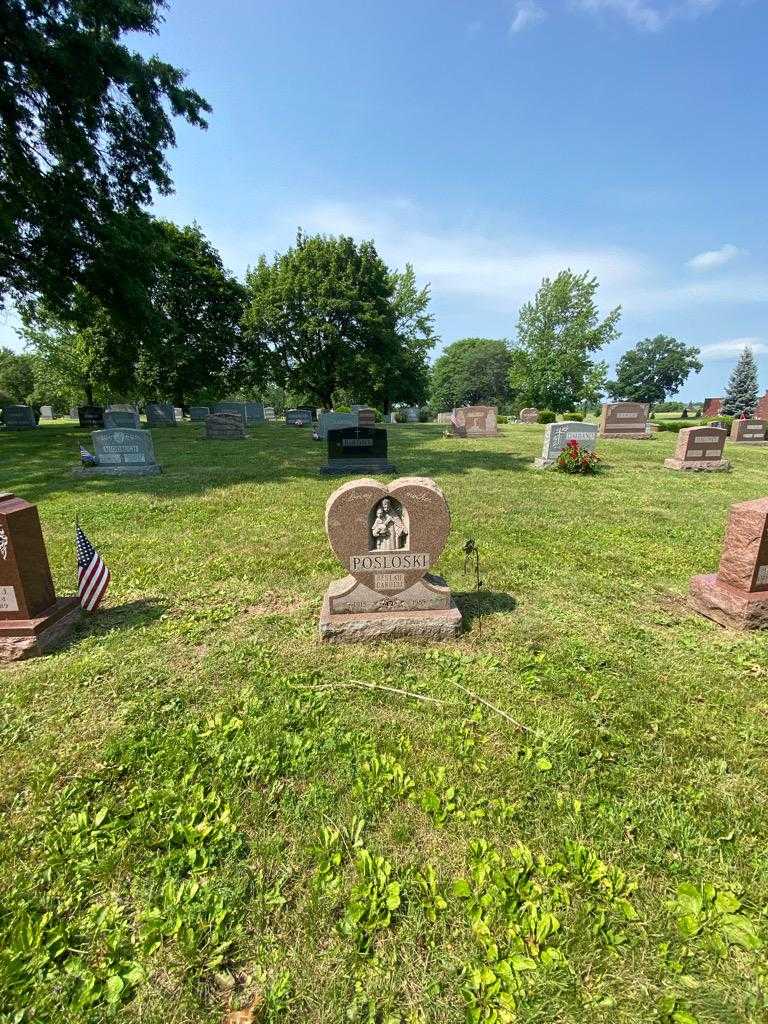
737,594
624,419
749,431
32,619
699,449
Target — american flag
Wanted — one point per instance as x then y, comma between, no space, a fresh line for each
86,458
92,574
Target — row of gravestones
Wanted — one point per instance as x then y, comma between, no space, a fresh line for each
159,414
388,539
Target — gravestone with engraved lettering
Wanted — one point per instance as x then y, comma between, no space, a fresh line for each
627,420
737,594
32,618
748,432
699,449
558,435
117,418
121,452
90,417
387,539
529,415
225,426
19,417
160,414
335,421
298,417
475,421
269,414
357,450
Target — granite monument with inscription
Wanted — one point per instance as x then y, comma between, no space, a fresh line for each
121,452
335,421
529,415
90,417
750,431
699,449
160,414
19,417
357,450
32,618
121,419
197,413
387,539
737,594
475,421
628,420
225,426
298,417
558,435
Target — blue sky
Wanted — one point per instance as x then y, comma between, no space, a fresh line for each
492,143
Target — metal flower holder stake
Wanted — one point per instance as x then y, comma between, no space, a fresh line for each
472,564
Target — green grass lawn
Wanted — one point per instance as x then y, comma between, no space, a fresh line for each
203,811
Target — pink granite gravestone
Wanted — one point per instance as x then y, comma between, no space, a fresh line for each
748,431
737,594
387,539
699,449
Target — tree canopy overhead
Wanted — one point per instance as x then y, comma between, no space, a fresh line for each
557,334
653,369
328,315
471,371
84,125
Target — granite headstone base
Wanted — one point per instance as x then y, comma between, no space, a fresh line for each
728,606
698,466
149,469
345,467
28,638
426,611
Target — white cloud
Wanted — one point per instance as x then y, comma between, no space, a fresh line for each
732,347
713,258
647,16
527,13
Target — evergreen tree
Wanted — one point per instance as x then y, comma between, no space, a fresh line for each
741,393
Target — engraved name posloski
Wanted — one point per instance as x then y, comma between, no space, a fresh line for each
385,561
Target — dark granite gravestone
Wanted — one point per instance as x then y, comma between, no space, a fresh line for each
225,426
122,452
160,414
32,620
91,417
254,413
309,409
357,450
298,417
197,413
19,417
115,419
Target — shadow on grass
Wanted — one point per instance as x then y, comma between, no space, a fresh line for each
480,604
39,463
106,620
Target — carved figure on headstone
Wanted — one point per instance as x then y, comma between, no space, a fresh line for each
388,530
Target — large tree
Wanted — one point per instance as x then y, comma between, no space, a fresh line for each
327,315
17,379
470,372
85,122
191,344
79,352
557,335
653,369
741,394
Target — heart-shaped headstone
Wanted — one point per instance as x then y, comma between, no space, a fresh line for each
388,537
